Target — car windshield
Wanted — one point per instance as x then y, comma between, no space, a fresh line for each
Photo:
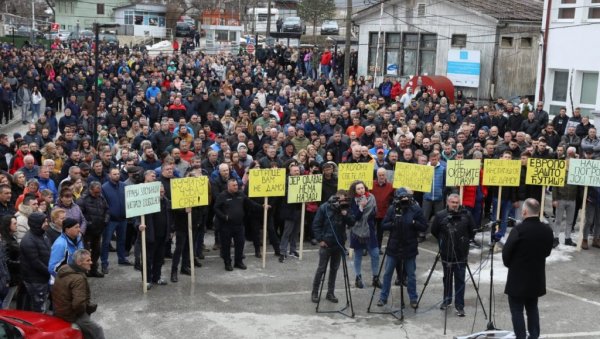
292,20
329,23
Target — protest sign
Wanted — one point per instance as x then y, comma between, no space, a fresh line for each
189,192
349,173
268,182
498,172
304,188
463,172
546,172
584,172
142,199
414,177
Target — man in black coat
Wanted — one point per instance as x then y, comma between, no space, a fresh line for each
231,208
454,228
35,255
94,208
524,253
404,219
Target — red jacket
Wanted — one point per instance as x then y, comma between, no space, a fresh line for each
383,196
326,58
396,90
17,162
470,192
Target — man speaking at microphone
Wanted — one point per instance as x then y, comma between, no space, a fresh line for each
524,253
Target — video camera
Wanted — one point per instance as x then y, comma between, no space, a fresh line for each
339,204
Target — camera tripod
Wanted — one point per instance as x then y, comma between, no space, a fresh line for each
346,287
393,313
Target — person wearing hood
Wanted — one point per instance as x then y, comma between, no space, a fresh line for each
289,150
29,205
71,295
65,245
35,255
404,219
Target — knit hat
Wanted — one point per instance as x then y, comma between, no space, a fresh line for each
36,220
68,223
240,145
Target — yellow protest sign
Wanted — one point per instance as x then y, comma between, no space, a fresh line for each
497,172
189,192
463,172
414,177
269,182
304,188
349,173
546,172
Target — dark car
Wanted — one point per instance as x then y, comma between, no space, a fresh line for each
184,29
293,24
20,324
110,39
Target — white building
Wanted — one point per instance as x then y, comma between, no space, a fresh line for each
141,20
417,36
568,77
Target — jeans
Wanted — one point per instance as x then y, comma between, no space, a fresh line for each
454,272
326,255
38,294
410,267
89,327
35,112
504,213
592,219
430,208
308,68
374,253
564,216
517,304
120,227
290,235
325,69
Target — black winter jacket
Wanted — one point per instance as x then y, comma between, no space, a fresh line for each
232,208
404,230
330,225
35,255
453,231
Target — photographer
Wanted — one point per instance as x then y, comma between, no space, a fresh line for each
329,228
454,228
404,219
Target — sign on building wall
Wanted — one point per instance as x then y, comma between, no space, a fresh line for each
464,67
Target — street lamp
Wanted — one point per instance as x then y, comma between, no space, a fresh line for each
97,28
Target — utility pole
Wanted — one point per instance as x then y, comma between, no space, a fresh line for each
348,43
32,21
268,19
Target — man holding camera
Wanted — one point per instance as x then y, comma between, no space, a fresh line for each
329,228
404,219
71,295
454,228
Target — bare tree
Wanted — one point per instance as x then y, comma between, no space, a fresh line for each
315,11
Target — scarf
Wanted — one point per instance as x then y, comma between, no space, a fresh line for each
361,228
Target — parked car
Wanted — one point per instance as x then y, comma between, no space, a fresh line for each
83,34
20,324
25,31
110,39
184,29
64,35
330,27
293,24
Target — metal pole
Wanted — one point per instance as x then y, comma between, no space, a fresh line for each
32,21
269,19
96,92
377,49
348,43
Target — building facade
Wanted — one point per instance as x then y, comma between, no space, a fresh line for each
73,15
568,77
417,36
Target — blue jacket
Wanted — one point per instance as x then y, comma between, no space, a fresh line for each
62,252
438,184
115,196
48,184
152,92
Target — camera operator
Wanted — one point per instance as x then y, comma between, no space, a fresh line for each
329,228
454,228
404,219
525,252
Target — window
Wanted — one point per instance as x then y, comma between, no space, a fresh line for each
100,9
393,42
506,41
594,10
567,9
410,47
129,17
418,54
526,42
373,36
561,82
589,88
459,40
421,10
427,55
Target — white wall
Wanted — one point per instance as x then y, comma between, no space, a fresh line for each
572,46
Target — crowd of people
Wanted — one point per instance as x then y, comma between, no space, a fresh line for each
190,114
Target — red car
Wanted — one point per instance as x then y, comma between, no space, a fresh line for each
21,324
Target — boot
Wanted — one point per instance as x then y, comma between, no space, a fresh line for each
555,243
257,253
569,242
596,243
174,277
359,283
584,244
314,296
376,282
